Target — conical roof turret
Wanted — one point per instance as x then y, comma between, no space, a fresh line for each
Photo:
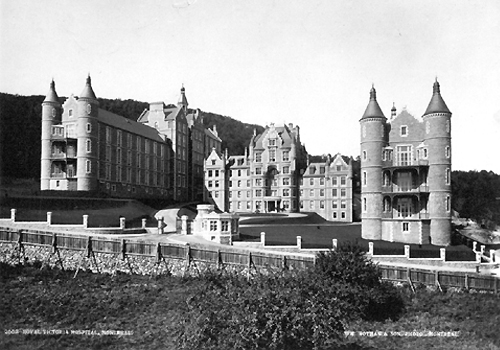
373,109
88,92
183,100
52,94
437,104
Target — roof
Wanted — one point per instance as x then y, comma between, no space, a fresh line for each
211,134
52,94
437,104
88,92
283,133
373,109
129,125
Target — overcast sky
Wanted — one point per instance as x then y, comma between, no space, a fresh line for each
310,63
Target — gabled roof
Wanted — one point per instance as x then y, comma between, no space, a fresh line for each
437,104
129,125
285,136
373,109
211,134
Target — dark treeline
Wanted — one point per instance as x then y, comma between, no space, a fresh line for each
21,122
476,195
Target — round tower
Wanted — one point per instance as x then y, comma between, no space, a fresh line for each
437,120
372,142
51,115
87,133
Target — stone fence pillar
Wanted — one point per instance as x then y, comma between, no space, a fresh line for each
122,223
85,221
474,246
407,251
442,253
160,225
370,248
49,218
334,243
13,215
143,225
299,242
263,238
184,225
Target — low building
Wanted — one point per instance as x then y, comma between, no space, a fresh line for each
215,226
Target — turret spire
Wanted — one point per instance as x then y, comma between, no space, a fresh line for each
373,109
52,94
183,100
88,92
437,104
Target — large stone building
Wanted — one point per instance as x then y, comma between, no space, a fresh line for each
274,175
86,148
406,173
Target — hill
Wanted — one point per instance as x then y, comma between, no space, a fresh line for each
20,131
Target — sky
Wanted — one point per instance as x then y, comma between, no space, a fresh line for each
307,62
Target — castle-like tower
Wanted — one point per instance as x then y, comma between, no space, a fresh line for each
406,174
51,115
373,140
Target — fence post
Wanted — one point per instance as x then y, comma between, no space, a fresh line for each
143,225
13,215
407,251
85,221
89,247
123,249
219,258
49,218
284,261
184,225
54,243
263,238
442,253
370,248
188,255
299,242
466,282
160,225
122,223
334,243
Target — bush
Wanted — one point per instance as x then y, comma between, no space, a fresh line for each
287,309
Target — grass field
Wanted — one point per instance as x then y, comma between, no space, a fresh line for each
146,310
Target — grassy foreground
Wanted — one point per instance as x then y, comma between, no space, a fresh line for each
146,312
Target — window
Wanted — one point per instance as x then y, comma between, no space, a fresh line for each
425,153
213,225
311,204
216,173
258,157
342,215
447,204
286,156
248,183
447,152
311,193
210,173
447,176
364,155
89,128
216,183
404,130
258,171
224,225
342,181
334,181
209,183
108,134
301,204
258,182
272,155
364,178
272,142
364,205
119,155
342,192
311,181
404,155
322,192
334,215
334,192
406,226
334,205
88,167
342,204
238,183
286,170
322,204
322,181
70,113
258,193
88,146
239,195
286,181
286,192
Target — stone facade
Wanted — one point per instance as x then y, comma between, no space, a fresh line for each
86,148
406,174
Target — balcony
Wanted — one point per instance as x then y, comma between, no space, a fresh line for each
405,189
395,215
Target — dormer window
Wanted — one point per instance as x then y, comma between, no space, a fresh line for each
70,113
404,130
272,142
